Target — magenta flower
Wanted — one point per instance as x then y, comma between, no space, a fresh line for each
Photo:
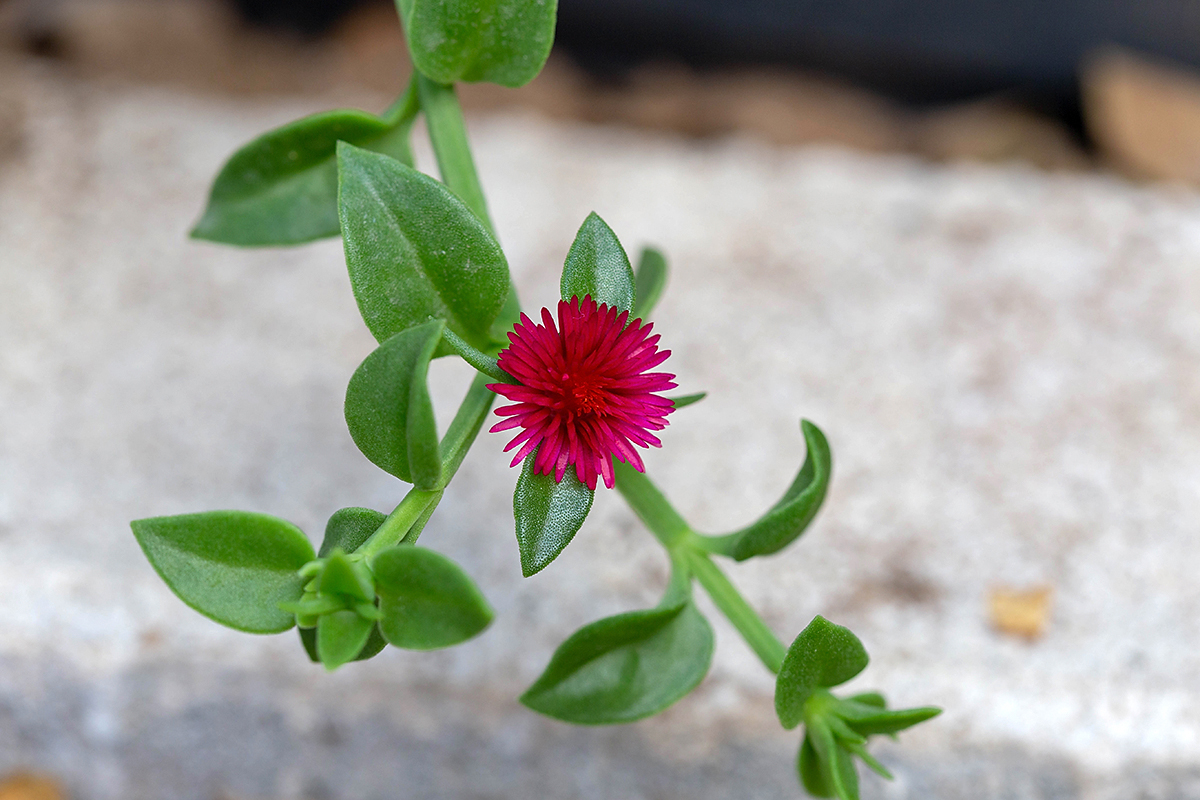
584,394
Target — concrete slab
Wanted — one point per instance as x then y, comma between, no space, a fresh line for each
1005,362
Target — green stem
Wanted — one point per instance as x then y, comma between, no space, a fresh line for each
399,522
651,506
407,521
405,108
448,133
465,427
727,598
476,358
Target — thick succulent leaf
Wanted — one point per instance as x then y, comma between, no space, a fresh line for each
812,776
373,647
596,265
341,636
415,252
281,188
388,408
548,514
624,668
869,720
788,518
823,655
341,577
499,41
650,278
348,528
427,601
234,567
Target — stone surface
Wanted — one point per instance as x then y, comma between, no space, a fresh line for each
1005,362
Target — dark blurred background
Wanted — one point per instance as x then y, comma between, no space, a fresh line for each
1060,84
920,51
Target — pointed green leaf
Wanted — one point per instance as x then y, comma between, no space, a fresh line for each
872,763
836,765
823,655
281,188
624,668
868,699
415,252
373,647
341,636
596,265
812,776
388,409
688,399
427,601
499,41
348,528
343,578
650,278
788,518
869,720
548,514
234,567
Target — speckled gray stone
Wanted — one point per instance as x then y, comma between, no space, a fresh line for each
1006,362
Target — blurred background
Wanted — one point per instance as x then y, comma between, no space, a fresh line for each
963,237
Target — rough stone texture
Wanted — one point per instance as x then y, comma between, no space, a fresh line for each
1005,361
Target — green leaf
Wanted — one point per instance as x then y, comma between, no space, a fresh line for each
548,514
596,265
341,577
650,278
868,699
869,720
499,41
349,528
373,647
234,567
836,765
281,188
812,776
872,763
688,399
823,655
427,601
415,252
788,518
624,668
341,636
388,409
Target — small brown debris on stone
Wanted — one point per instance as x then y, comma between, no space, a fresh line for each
1144,115
30,786
1020,612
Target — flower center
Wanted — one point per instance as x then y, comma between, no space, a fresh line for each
585,394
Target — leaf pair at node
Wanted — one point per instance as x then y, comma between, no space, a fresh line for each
548,513
411,597
281,188
257,573
423,268
825,655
